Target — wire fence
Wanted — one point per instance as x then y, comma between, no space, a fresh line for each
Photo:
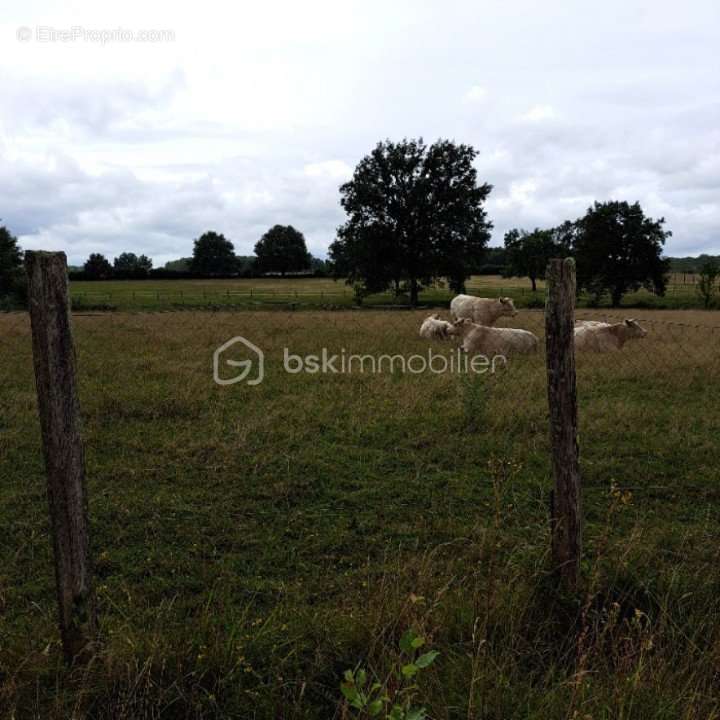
680,292
322,425
259,296
647,411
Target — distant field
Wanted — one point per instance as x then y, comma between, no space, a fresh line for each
311,292
316,292
252,543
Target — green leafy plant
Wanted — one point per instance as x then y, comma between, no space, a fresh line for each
395,698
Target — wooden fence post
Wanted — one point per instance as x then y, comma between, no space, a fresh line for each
54,362
565,503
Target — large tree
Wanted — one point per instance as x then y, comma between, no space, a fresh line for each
12,276
97,267
282,249
213,254
415,213
618,249
130,265
528,253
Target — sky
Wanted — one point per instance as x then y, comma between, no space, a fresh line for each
137,126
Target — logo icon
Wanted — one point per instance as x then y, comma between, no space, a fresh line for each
256,359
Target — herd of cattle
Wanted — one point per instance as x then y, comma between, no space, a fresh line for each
473,321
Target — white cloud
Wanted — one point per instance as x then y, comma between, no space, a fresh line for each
335,170
539,113
476,94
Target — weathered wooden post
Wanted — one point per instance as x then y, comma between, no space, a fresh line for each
54,361
565,504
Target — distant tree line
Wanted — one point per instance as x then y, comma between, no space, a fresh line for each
282,250
617,249
692,264
416,216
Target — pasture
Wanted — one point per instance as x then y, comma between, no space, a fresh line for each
253,543
321,293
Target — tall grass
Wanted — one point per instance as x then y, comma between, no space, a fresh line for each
252,544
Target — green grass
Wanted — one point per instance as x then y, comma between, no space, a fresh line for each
318,293
252,543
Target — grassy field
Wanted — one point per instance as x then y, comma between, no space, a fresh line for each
253,543
320,293
263,292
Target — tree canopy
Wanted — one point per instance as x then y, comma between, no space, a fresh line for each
97,267
12,276
282,249
528,253
180,265
415,213
618,249
213,254
130,265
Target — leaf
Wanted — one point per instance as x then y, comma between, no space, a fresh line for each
416,714
375,707
349,677
418,642
427,659
361,677
406,641
409,670
349,691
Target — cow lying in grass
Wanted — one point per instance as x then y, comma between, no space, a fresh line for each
594,336
435,329
484,340
483,311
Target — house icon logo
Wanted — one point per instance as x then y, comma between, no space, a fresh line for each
253,365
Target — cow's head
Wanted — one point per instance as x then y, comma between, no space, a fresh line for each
634,329
460,327
507,306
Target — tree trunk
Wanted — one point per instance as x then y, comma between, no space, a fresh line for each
413,292
533,280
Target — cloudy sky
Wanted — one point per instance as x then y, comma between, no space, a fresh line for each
253,113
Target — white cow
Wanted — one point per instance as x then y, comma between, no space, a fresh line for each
433,328
483,311
485,340
593,336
